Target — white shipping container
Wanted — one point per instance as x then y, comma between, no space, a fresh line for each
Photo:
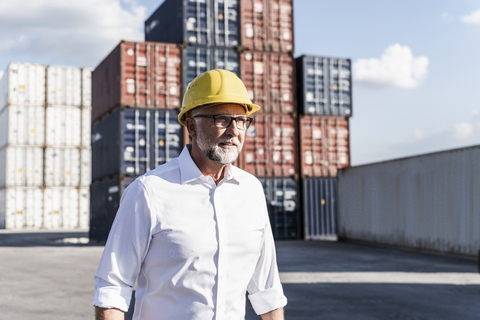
63,126
62,167
86,127
22,125
87,87
86,167
84,208
61,208
21,208
21,167
64,86
23,84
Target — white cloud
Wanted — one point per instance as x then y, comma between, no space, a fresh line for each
475,112
396,67
75,32
1,74
446,16
473,17
463,130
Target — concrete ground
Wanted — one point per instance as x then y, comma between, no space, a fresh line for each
49,275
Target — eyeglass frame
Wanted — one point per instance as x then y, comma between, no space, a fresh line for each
214,117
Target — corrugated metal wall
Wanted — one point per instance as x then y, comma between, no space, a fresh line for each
425,202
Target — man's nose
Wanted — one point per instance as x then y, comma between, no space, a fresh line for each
232,129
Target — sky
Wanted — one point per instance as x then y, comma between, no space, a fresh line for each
415,64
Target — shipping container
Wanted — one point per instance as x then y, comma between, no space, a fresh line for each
105,200
203,23
21,167
21,208
319,198
86,128
198,60
131,142
426,202
138,75
270,146
22,84
22,125
64,86
268,78
63,126
87,87
84,208
267,25
67,167
283,208
61,208
324,86
324,145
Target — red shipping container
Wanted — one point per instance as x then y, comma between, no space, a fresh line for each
324,145
269,80
138,75
270,146
267,25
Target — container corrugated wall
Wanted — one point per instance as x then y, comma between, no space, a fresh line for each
138,75
64,86
268,77
283,206
204,23
324,86
22,125
324,145
131,142
22,84
270,146
319,199
267,25
201,59
424,202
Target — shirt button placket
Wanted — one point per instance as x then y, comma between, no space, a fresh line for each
222,268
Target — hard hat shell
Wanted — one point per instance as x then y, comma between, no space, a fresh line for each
216,86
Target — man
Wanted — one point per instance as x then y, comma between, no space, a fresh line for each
194,232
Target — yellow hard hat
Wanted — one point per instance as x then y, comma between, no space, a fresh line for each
216,86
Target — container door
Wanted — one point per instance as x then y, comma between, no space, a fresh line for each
136,142
281,195
168,137
197,22
320,207
226,23
84,208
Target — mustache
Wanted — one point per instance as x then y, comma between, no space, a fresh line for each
234,141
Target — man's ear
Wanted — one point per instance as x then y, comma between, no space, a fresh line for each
191,127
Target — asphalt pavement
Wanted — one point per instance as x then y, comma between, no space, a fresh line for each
49,275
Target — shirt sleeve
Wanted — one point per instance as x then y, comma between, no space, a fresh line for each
265,290
125,249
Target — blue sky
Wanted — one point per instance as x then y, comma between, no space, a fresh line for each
416,64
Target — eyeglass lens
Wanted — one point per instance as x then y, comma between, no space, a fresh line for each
225,121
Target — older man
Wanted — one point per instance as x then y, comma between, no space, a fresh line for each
194,232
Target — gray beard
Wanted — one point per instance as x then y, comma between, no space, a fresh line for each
215,153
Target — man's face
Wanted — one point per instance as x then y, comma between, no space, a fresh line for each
222,145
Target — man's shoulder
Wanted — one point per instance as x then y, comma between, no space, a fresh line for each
166,173
245,177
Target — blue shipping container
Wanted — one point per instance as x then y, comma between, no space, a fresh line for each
105,198
320,208
197,60
324,86
130,142
202,22
282,203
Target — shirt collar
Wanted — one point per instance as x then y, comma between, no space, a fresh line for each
190,172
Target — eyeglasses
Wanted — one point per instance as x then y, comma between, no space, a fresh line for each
224,121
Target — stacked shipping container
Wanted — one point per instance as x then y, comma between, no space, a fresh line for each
137,93
324,102
44,152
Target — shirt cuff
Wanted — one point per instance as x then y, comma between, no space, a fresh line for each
108,296
267,300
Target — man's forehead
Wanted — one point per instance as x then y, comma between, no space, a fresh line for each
226,108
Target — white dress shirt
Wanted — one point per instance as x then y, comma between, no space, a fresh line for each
195,247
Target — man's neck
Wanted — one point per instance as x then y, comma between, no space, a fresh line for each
206,166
